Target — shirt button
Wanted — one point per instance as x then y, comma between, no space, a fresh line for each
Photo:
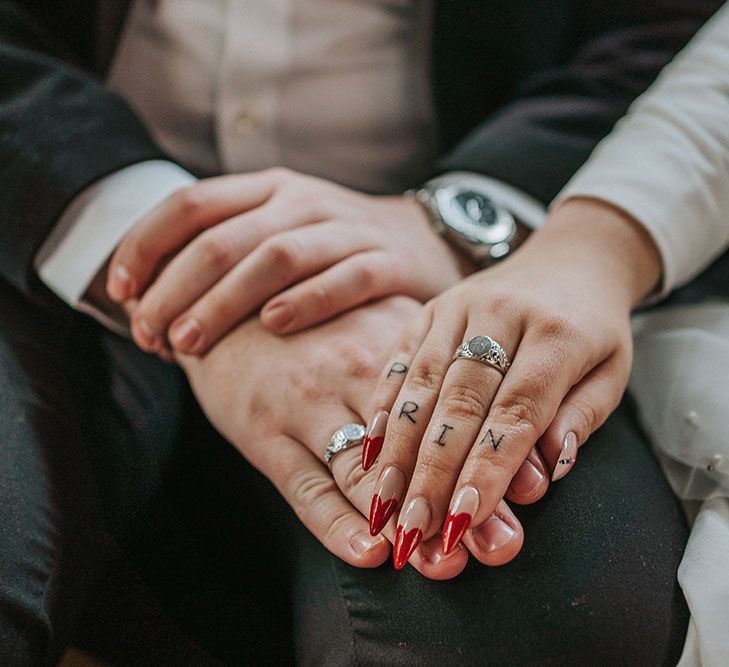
245,122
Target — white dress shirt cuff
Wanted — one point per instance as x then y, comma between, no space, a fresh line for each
94,223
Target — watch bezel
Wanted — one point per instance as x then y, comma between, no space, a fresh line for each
502,231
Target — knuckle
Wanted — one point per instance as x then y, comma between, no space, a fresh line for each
426,375
288,468
309,487
308,204
187,201
322,297
587,419
359,362
366,277
282,252
214,252
555,327
501,302
520,411
278,173
464,402
352,473
338,525
431,467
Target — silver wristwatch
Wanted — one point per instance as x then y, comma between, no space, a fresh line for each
466,216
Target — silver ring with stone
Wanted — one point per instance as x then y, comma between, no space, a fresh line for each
486,350
350,435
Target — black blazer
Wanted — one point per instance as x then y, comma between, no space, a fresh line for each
524,89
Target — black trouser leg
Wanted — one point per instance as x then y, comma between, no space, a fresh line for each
55,540
594,585
91,431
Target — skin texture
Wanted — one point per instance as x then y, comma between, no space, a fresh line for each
560,307
324,378
295,245
613,268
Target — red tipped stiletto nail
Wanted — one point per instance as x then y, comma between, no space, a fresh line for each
390,489
459,517
374,439
413,521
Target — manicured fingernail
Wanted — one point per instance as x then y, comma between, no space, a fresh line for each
184,334
374,439
413,521
494,533
279,315
527,479
567,456
432,551
147,337
362,542
459,517
120,285
390,490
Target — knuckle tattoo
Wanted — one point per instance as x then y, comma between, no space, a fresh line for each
398,368
492,439
440,440
407,409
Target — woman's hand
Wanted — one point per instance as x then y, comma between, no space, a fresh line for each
457,432
308,249
279,399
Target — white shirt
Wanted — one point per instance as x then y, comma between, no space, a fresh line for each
667,164
339,90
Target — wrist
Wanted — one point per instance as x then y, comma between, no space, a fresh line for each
424,228
608,239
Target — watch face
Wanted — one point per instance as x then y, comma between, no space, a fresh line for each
475,206
474,215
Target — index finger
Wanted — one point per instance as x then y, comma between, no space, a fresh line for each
179,218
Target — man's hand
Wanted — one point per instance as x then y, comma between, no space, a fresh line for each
279,399
302,247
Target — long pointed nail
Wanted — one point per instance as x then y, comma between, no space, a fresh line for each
567,456
374,439
413,521
390,490
459,517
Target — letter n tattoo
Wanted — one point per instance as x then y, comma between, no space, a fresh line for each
494,442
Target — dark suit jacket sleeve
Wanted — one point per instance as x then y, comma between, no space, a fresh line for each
547,131
60,129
